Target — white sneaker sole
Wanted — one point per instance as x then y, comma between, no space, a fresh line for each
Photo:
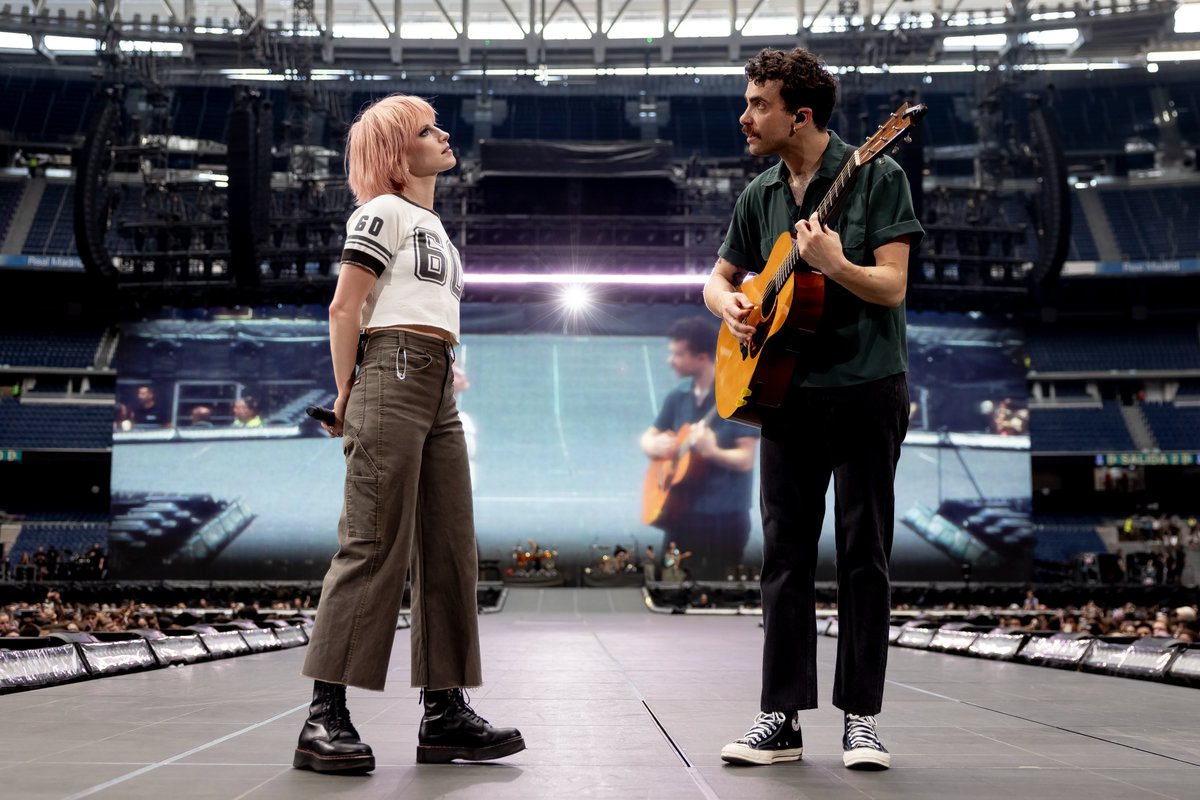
866,758
746,755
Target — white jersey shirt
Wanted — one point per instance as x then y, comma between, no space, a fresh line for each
420,275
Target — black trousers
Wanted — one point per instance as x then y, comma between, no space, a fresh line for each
852,433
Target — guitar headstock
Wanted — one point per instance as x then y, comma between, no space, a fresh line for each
896,126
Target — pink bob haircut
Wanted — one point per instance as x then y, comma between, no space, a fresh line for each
377,145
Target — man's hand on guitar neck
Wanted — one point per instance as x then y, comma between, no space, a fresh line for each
820,247
884,284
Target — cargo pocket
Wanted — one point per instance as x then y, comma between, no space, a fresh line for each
362,507
361,493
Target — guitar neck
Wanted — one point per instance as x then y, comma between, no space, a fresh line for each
832,202
827,211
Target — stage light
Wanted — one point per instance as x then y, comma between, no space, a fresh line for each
71,44
984,41
1171,55
581,279
15,41
161,48
575,299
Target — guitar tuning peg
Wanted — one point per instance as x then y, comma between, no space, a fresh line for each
908,139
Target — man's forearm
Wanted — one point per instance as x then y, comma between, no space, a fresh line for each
716,287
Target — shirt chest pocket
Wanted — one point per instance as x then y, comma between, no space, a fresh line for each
765,245
854,243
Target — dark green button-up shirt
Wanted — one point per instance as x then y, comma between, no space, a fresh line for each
857,341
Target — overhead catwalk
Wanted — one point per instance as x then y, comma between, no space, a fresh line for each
614,702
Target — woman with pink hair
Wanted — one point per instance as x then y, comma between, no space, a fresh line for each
407,505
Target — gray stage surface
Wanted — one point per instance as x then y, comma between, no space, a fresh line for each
614,702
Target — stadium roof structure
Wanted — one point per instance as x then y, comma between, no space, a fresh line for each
558,39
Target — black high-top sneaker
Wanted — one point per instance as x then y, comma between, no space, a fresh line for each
775,737
329,742
861,748
451,729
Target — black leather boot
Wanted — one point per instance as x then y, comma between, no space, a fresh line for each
451,729
329,742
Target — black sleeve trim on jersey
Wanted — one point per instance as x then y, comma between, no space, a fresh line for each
361,242
354,256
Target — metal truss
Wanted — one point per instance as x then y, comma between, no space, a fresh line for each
449,36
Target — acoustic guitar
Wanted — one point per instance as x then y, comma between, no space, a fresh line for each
664,474
788,295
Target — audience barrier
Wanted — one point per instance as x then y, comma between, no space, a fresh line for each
32,663
184,647
999,643
1186,666
62,656
917,634
27,663
1149,658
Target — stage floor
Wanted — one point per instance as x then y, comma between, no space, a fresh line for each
614,702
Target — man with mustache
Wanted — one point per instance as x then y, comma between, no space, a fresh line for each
845,412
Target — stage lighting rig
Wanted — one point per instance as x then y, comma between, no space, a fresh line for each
291,212
144,197
996,241
161,213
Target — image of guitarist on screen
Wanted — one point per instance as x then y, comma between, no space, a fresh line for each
843,398
699,482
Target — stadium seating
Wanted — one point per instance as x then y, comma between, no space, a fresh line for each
1114,349
1079,430
1083,245
75,350
76,537
1175,428
10,196
1059,539
52,231
40,426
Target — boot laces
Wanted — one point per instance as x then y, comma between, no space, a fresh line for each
339,715
860,732
765,725
461,699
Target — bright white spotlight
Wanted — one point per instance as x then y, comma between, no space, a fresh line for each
575,299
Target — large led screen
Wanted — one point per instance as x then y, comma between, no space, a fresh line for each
219,474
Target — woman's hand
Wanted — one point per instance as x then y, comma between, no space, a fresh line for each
339,412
